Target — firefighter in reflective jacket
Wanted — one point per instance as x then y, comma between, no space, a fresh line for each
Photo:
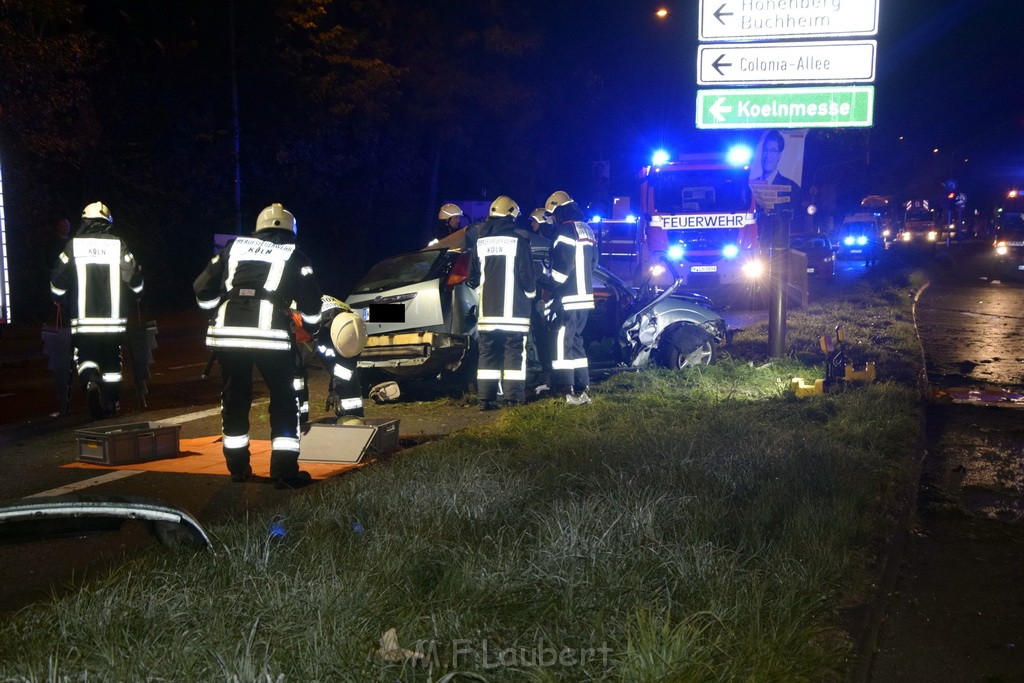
343,390
573,255
501,270
96,275
248,289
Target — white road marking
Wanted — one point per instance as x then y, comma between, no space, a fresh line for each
78,486
122,474
189,417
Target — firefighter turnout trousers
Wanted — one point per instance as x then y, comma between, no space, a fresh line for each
502,360
569,367
98,357
276,368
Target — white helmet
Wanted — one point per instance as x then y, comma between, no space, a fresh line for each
98,210
557,199
448,211
504,206
276,217
348,334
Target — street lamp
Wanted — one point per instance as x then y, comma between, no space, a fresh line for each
662,13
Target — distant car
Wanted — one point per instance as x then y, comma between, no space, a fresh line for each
421,318
821,259
859,238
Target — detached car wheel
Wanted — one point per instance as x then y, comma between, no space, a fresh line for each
687,346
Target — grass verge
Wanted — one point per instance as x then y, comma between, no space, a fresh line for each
686,526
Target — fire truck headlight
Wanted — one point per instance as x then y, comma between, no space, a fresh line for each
1001,249
753,268
932,235
657,270
906,236
675,252
730,251
862,240
848,240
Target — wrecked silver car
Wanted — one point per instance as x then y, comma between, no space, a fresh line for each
421,318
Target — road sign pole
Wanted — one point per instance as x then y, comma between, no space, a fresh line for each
779,279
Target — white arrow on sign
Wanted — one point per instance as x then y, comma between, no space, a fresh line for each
764,20
836,61
718,110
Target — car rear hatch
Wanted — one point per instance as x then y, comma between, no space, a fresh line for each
407,302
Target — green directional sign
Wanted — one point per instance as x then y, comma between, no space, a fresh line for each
826,107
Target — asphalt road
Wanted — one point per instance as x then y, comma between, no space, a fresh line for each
957,605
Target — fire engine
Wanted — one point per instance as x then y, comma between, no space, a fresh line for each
695,221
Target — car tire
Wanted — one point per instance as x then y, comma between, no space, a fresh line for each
686,346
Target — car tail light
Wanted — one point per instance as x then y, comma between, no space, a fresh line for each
459,272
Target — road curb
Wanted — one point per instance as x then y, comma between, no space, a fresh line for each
878,607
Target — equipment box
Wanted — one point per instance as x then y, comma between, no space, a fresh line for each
128,443
348,443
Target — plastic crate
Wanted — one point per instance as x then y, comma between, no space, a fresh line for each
128,443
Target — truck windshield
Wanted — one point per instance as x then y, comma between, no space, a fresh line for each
919,215
700,191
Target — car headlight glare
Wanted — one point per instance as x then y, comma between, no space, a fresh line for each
753,268
848,240
861,241
1001,249
932,236
906,236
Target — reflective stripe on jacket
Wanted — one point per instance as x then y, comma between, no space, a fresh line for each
501,269
97,277
251,285
573,255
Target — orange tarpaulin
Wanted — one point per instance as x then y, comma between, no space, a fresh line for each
205,455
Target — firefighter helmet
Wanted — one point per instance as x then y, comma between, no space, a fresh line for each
504,206
348,334
276,217
97,210
556,200
540,215
448,211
